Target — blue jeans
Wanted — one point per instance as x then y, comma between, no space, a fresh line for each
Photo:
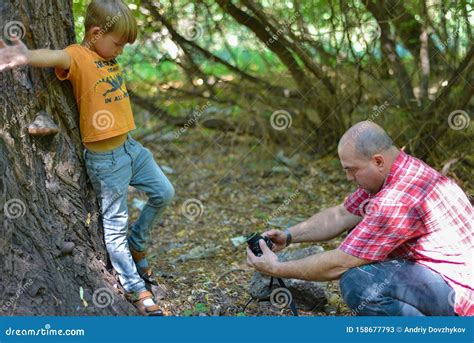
396,288
111,173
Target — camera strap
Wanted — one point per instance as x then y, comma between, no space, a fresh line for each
292,302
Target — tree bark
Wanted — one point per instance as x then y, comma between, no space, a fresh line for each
409,28
47,202
388,46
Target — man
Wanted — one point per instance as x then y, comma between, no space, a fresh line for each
410,252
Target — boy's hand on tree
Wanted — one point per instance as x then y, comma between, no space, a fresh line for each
278,238
13,55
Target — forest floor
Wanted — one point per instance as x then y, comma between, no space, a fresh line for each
229,186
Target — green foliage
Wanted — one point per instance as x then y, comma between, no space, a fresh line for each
199,308
187,313
341,38
323,22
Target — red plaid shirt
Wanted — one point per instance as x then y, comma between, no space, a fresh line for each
419,215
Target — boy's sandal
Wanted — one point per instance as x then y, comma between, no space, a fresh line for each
137,299
145,273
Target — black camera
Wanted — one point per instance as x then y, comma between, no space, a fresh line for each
252,241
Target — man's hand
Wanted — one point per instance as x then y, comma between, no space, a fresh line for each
278,238
13,55
266,263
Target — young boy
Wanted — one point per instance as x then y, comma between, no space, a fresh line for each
114,160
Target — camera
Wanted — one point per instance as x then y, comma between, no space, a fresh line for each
252,241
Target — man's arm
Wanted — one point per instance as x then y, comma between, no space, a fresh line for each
18,54
329,265
324,225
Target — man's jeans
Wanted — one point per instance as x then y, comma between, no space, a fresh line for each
396,288
111,173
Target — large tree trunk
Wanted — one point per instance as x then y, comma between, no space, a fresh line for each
46,199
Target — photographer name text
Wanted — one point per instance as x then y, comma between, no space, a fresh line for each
407,329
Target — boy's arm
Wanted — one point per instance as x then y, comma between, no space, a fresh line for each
18,54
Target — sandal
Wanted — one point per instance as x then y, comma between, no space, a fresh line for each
138,298
145,273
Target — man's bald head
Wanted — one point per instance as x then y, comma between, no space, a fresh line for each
367,154
367,138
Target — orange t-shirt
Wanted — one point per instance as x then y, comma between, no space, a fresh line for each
101,95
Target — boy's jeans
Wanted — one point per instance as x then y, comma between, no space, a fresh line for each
396,288
111,173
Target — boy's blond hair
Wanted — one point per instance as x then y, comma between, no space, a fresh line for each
112,16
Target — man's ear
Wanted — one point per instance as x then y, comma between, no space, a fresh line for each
379,160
